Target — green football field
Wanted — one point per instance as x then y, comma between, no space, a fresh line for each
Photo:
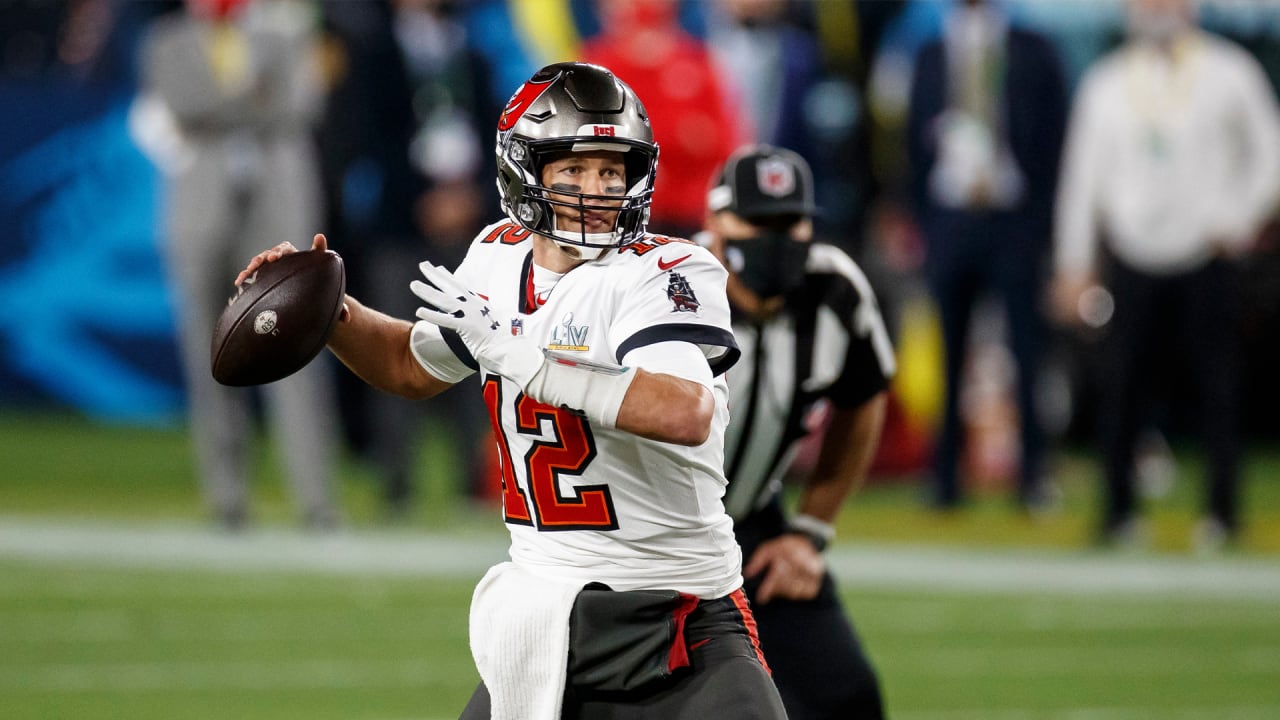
117,601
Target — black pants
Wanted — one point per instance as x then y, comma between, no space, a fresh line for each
726,677
971,258
1158,319
817,659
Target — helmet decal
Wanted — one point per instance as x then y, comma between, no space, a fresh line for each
522,99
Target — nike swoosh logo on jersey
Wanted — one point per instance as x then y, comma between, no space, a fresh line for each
668,265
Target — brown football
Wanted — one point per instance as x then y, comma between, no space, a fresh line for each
279,319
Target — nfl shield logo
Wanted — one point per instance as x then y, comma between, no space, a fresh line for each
517,326
775,176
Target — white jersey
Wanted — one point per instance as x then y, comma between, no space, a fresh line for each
590,504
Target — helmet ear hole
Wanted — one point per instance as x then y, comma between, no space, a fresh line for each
510,185
638,168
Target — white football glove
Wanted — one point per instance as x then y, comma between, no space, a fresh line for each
451,305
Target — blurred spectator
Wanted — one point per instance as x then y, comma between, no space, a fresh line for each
771,65
839,118
642,42
862,210
985,126
405,146
236,84
73,39
786,96
1172,164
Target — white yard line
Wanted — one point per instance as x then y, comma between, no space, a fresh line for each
1235,712
406,553
198,547
1056,572
227,675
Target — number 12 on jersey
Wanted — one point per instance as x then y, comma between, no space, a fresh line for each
568,453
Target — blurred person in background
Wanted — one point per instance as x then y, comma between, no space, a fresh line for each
770,66
984,132
233,85
790,95
800,72
601,350
1171,166
84,41
643,43
812,341
404,144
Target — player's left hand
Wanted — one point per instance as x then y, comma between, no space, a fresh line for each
792,569
451,305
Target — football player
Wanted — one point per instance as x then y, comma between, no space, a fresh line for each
601,351
811,336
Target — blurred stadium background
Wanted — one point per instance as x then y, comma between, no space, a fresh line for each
118,599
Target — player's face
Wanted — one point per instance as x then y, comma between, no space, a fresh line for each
597,172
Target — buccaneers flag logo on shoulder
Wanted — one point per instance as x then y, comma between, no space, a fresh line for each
680,294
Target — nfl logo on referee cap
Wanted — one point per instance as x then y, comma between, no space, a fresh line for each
764,181
776,176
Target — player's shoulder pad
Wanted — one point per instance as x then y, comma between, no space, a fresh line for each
661,254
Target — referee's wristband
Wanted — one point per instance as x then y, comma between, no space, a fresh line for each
818,532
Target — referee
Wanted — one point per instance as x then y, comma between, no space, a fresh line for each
812,341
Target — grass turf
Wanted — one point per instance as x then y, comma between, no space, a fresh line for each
69,467
92,642
85,641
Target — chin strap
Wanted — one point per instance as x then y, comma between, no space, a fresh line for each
570,241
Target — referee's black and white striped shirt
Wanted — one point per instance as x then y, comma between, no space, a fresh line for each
830,342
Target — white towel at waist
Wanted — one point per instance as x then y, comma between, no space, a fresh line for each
520,641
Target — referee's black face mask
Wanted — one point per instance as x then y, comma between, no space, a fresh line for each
771,263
